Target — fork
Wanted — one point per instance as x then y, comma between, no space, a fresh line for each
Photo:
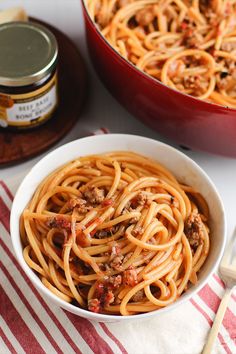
228,275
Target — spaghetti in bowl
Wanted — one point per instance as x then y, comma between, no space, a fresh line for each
182,89
115,233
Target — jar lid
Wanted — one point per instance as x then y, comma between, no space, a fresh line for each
28,53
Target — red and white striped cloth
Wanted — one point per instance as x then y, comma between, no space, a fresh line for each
30,324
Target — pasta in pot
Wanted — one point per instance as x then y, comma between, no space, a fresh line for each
115,234
189,45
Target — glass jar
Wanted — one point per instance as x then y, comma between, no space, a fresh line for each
28,75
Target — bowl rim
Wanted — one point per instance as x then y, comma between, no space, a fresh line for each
15,236
216,106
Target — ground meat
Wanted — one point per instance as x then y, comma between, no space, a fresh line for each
195,84
128,210
94,195
94,305
59,222
117,262
101,234
79,204
107,299
138,296
140,199
130,277
228,79
116,258
103,295
104,267
145,16
115,281
106,233
73,202
194,230
137,231
228,46
115,250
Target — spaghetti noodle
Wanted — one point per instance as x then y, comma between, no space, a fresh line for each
189,45
115,234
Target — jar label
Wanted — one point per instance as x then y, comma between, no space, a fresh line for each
28,109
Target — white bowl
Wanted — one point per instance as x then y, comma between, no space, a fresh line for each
186,170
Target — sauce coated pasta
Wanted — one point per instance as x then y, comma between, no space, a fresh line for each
115,234
189,45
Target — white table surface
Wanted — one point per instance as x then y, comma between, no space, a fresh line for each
102,110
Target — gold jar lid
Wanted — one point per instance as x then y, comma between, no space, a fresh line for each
28,53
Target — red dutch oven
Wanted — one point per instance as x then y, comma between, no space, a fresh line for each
186,120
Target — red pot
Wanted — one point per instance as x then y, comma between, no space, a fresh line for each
188,121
